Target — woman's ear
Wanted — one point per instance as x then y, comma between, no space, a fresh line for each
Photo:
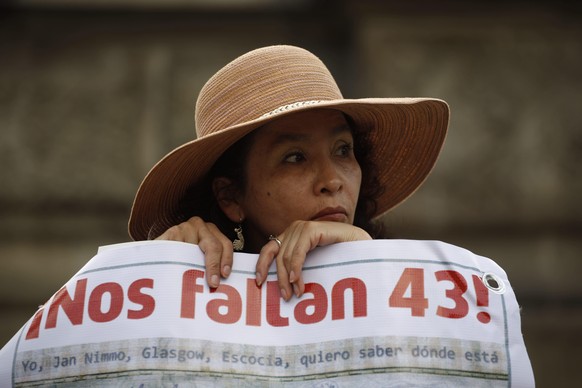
225,193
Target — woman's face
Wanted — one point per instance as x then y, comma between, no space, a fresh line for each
300,167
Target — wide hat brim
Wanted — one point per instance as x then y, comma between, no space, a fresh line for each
406,136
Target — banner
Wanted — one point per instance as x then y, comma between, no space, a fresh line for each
379,313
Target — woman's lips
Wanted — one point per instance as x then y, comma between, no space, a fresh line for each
337,214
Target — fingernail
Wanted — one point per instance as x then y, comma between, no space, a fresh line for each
226,270
296,289
292,276
284,293
214,281
258,279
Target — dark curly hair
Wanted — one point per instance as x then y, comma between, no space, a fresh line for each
231,165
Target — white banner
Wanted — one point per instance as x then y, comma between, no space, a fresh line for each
379,313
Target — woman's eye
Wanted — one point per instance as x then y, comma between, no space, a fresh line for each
295,157
345,150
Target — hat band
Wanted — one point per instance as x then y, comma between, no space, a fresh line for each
294,105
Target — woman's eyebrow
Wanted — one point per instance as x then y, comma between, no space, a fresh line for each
290,137
342,128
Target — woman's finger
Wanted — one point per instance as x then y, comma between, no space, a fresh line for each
283,278
294,257
227,251
266,258
213,249
217,248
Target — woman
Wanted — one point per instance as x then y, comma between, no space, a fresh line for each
283,163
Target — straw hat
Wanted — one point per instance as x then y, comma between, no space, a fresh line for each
266,84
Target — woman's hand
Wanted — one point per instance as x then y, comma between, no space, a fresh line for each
296,241
216,246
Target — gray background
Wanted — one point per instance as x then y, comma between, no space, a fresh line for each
93,93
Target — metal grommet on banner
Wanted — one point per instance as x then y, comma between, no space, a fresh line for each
493,282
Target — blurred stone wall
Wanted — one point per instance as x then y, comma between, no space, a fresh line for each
91,99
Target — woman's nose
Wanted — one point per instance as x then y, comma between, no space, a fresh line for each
329,179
